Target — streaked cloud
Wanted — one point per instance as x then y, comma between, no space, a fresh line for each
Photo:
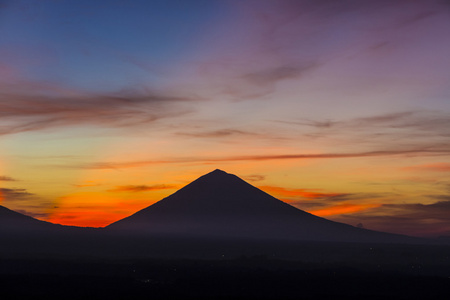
218,133
302,193
254,177
14,193
381,153
342,209
86,185
7,178
419,122
435,167
35,106
142,188
341,203
413,219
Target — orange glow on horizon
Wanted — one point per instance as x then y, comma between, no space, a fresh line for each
86,218
342,209
93,209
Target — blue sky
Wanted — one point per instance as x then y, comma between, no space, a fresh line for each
103,45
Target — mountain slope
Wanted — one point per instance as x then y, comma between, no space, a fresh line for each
219,204
14,221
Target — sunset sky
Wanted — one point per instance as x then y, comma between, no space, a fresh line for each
340,108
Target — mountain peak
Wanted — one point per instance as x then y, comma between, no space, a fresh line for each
216,172
219,204
216,178
217,200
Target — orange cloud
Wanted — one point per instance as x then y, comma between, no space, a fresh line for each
7,178
256,158
85,218
305,193
86,185
142,188
342,209
437,167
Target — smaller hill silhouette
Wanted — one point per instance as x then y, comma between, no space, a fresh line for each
219,204
11,221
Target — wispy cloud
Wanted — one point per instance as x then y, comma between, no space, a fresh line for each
340,203
436,167
142,188
343,209
414,218
413,120
220,133
381,153
301,193
268,77
409,130
86,185
254,177
261,82
14,193
36,106
7,178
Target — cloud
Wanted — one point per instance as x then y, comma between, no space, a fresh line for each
413,219
390,119
7,178
380,153
402,131
317,124
342,209
441,198
14,194
436,167
302,193
218,133
271,41
86,185
34,106
142,188
272,75
439,210
413,120
424,122
256,82
339,203
254,177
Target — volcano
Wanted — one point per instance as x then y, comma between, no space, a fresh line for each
219,204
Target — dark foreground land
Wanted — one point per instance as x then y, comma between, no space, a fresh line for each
279,271
244,278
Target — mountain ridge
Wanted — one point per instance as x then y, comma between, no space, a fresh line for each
219,204
10,219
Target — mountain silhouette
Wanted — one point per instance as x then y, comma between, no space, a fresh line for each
11,221
219,204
